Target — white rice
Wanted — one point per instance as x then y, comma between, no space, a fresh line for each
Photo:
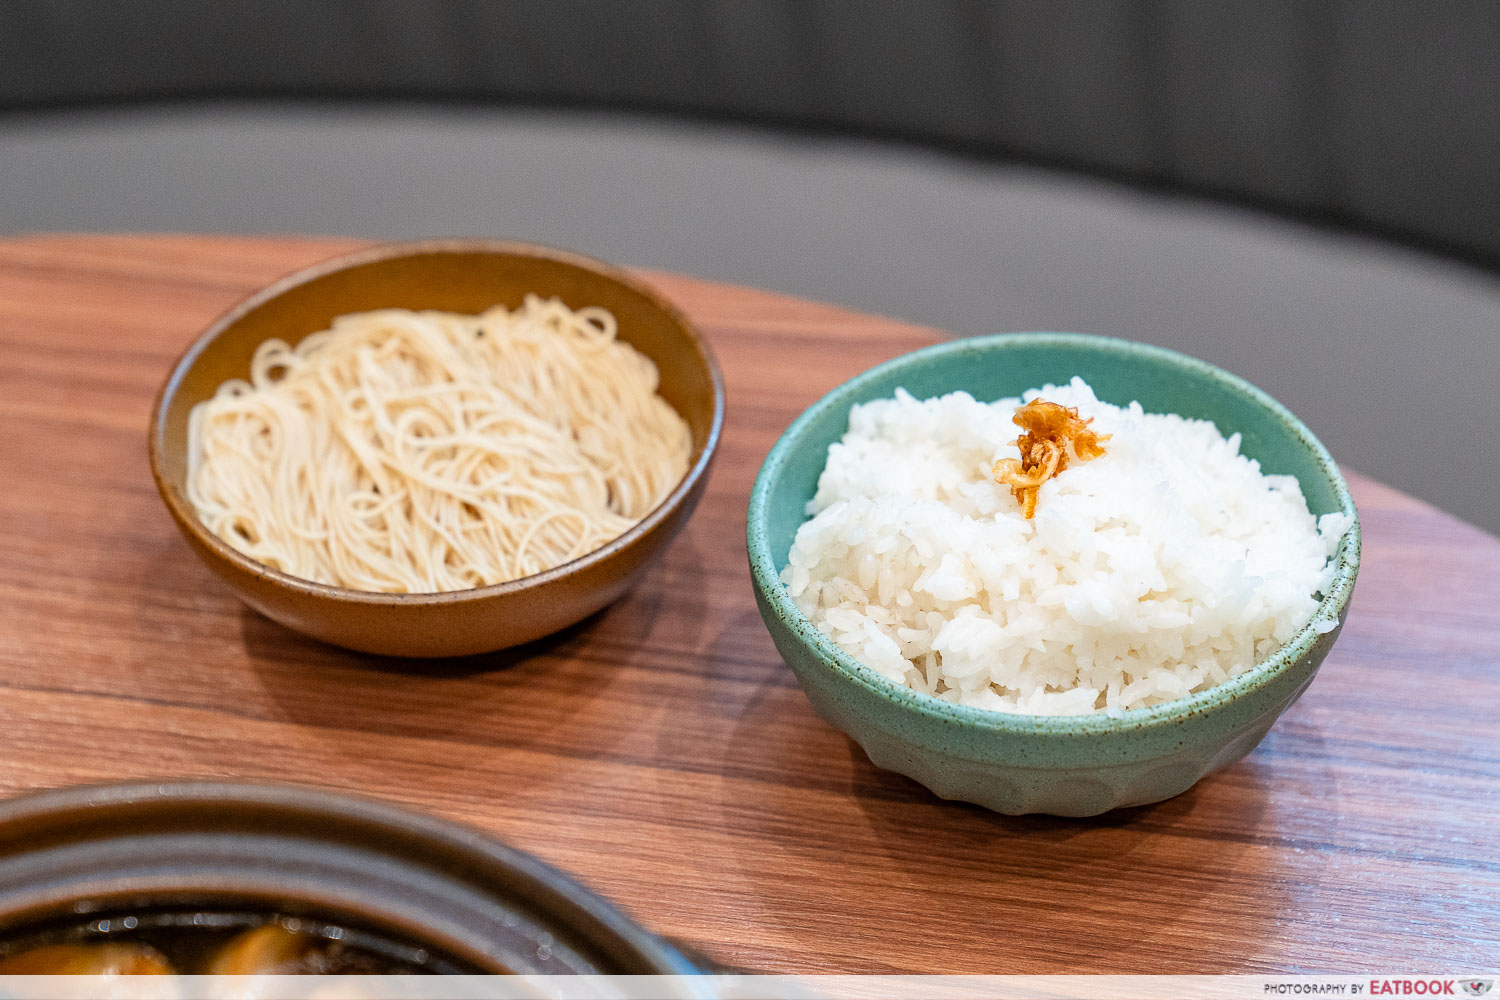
1166,566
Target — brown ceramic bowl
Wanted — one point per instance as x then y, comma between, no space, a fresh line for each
103,861
464,276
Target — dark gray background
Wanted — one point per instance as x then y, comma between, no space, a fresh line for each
975,166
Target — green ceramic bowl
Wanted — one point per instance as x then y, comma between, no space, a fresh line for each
1064,765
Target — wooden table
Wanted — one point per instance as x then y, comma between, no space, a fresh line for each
663,753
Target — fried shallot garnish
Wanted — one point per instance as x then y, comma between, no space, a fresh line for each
1055,437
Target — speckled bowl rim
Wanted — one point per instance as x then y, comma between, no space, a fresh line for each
762,563
184,514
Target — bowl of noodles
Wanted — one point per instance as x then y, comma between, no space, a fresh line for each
438,448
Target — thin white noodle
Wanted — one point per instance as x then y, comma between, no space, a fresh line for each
407,452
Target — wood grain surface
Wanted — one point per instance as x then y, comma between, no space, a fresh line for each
662,752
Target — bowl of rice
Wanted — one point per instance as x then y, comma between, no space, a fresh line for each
438,448
1061,625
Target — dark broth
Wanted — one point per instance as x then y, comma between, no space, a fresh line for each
190,940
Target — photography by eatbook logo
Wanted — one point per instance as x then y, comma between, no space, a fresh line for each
1430,987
